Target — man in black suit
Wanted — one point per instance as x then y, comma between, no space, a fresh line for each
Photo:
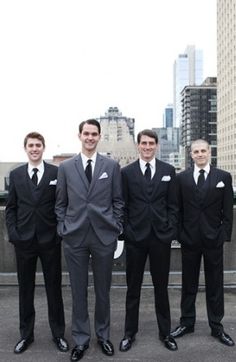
150,226
206,212
31,224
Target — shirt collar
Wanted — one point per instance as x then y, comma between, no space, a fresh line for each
85,159
40,167
143,163
206,169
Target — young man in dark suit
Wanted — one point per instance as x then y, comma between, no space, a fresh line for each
206,213
150,224
31,224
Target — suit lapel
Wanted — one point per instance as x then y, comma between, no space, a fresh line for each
97,171
80,169
158,175
44,182
211,184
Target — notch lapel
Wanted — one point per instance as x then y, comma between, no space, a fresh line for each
97,171
80,169
212,184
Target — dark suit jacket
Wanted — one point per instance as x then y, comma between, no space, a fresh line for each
144,210
208,219
31,213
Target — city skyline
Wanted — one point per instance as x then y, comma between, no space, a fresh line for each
65,62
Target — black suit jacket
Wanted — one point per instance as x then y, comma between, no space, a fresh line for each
144,210
208,218
30,212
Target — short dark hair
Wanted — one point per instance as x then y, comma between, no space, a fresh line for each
92,121
34,135
149,133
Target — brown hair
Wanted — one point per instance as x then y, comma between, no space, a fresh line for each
149,133
34,135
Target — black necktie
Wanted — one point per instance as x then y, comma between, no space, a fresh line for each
201,178
88,170
35,177
147,173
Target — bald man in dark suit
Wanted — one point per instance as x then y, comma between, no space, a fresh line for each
206,213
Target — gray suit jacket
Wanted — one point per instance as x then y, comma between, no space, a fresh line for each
80,205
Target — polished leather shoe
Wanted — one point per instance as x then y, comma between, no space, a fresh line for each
78,352
181,331
22,345
224,338
106,347
126,344
169,343
61,344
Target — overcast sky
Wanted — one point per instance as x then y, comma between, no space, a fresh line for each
63,61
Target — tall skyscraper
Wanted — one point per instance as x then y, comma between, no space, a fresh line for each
117,136
226,90
199,115
188,70
168,116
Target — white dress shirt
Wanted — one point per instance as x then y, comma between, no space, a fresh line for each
196,172
143,167
85,160
40,172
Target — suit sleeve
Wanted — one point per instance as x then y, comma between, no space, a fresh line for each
172,203
11,211
125,196
117,199
227,211
61,199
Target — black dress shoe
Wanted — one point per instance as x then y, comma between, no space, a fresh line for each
106,347
78,352
126,344
61,344
224,338
169,343
22,345
181,331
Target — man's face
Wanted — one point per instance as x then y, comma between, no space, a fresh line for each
147,148
200,153
34,149
89,138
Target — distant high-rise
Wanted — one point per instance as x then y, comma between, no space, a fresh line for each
168,139
199,115
226,90
117,136
168,116
188,70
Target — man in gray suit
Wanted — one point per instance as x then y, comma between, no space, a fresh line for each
89,210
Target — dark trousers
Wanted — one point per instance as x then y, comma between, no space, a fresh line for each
213,269
159,258
26,268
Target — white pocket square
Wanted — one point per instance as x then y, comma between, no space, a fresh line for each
104,175
166,178
53,182
220,185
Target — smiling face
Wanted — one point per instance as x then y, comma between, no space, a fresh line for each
200,153
147,148
89,138
34,149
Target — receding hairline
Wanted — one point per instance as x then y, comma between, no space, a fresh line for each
198,142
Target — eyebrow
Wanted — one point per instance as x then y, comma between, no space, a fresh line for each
90,133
